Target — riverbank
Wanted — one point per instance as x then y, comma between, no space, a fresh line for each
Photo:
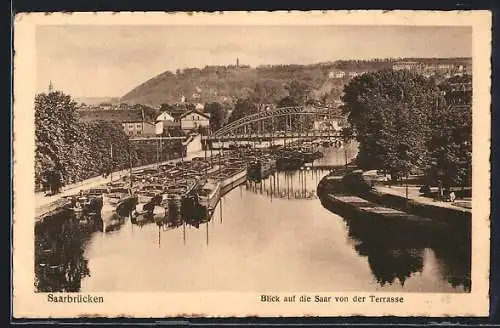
382,258
353,183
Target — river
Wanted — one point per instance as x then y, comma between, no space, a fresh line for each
269,236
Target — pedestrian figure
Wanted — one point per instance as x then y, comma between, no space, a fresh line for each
440,189
53,181
425,190
58,182
452,196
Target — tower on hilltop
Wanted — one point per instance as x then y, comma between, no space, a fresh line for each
51,87
237,62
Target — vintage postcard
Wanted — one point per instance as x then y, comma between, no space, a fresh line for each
251,164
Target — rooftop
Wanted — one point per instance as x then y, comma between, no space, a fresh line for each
120,116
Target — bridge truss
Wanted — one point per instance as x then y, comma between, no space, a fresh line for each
264,123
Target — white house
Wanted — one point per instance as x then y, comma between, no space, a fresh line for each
164,117
159,128
193,119
336,74
199,106
327,124
408,65
165,121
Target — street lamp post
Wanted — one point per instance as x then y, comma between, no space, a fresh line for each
345,153
406,189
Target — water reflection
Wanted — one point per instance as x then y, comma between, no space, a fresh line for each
294,185
396,252
273,236
59,248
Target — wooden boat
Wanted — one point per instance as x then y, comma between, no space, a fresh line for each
142,219
117,204
88,202
178,191
149,202
289,162
209,193
234,175
261,168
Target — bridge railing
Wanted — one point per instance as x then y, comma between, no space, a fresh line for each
156,138
289,134
278,112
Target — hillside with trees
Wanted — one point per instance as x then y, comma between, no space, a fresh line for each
221,84
262,84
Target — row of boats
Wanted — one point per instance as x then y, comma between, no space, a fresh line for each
281,159
194,186
170,189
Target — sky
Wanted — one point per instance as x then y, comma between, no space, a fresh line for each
109,61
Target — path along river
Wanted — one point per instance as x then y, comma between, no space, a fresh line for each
273,236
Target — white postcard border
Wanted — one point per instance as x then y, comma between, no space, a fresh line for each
27,303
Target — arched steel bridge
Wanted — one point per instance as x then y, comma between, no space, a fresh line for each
269,116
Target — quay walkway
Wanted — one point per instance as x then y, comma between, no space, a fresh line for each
384,202
461,204
367,207
414,195
46,204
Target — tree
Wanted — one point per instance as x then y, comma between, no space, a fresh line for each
267,91
450,145
166,107
298,91
287,102
390,112
217,115
56,130
457,90
243,107
68,150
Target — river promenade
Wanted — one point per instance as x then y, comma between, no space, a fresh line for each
356,193
414,195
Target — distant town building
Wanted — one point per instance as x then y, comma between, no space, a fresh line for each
176,110
264,107
444,69
354,74
183,99
199,106
164,117
133,121
407,65
336,74
167,122
158,128
193,119
328,124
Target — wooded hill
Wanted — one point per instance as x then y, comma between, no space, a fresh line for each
264,84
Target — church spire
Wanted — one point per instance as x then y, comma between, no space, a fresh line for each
51,87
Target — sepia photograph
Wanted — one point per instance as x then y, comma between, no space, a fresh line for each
319,165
